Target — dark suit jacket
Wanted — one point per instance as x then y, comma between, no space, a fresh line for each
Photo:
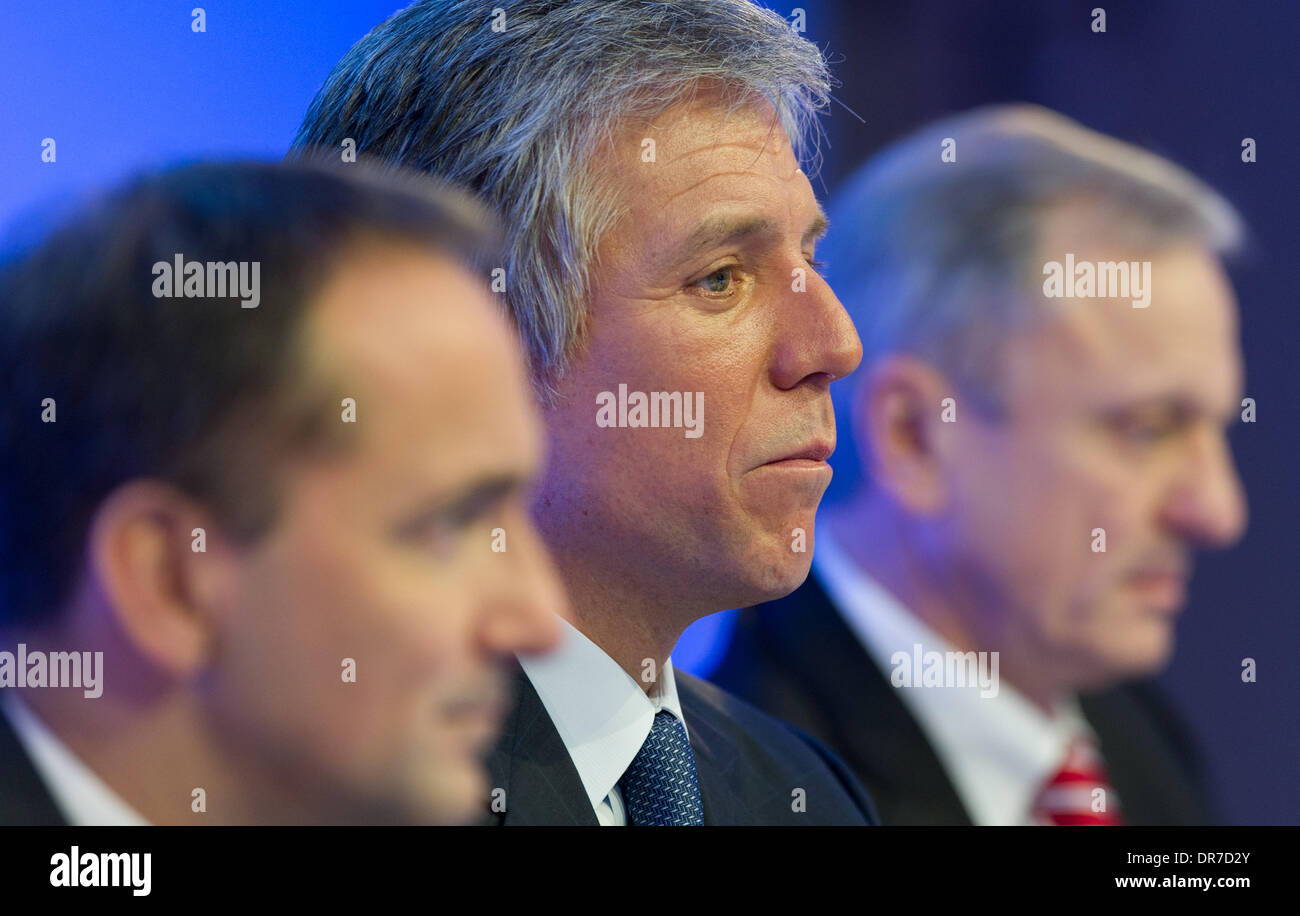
748,766
24,800
798,660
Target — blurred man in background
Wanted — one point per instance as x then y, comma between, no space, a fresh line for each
1051,359
262,422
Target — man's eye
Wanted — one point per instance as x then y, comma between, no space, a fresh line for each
1146,432
444,536
720,281
472,515
816,265
448,526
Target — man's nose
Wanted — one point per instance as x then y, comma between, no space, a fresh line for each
1206,503
526,597
816,336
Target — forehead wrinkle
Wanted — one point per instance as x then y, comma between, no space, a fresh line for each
778,151
680,161
708,178
713,147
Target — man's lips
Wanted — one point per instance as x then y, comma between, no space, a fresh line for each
811,454
477,713
1166,588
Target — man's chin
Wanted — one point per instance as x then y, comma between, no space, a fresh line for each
1144,654
457,794
1152,661
781,574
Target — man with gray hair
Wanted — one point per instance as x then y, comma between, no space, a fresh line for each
1051,358
646,158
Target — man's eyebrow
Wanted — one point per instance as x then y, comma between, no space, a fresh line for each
722,230
1183,405
817,228
485,491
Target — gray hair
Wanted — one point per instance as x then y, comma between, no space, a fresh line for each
516,115
939,259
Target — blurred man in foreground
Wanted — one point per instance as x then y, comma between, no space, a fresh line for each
261,422
1051,362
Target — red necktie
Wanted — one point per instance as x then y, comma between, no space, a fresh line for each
1070,798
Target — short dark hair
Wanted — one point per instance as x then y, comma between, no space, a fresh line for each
188,390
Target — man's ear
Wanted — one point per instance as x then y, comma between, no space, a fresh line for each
163,593
898,417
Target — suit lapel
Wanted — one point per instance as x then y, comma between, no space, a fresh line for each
1144,769
866,721
532,765
24,800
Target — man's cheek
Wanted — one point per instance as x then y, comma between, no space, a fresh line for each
365,721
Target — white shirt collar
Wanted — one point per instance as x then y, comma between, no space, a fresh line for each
82,797
602,714
998,751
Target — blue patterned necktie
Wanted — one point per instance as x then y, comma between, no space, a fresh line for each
660,788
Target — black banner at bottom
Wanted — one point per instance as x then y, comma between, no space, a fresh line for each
118,866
